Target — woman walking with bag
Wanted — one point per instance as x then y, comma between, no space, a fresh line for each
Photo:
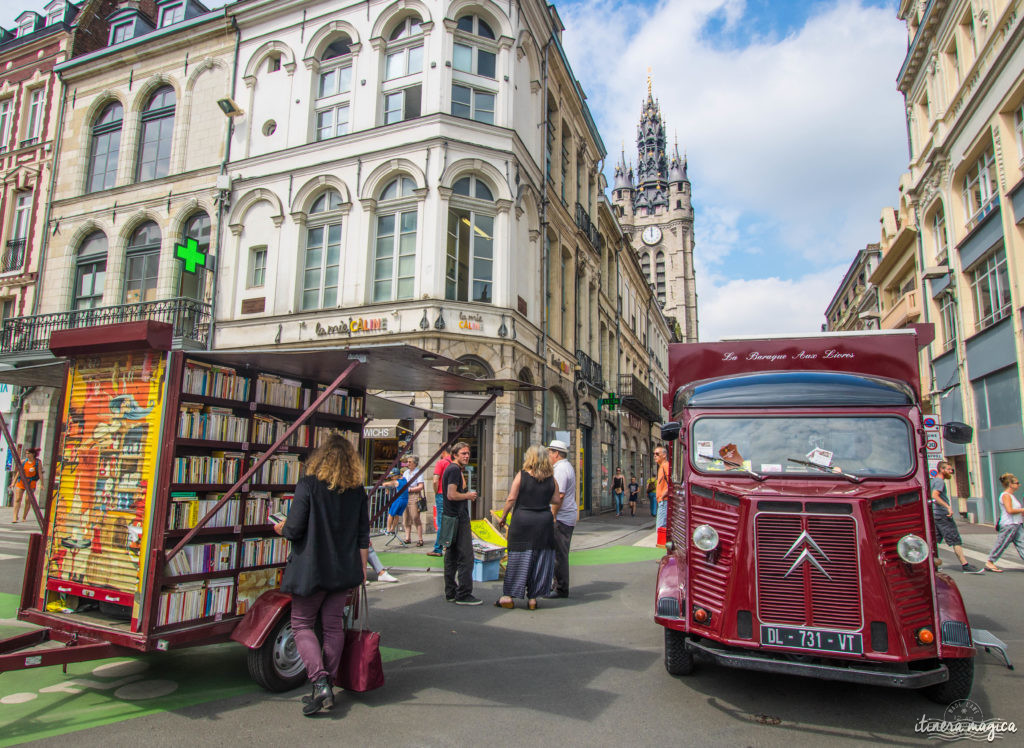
531,538
329,526
1011,522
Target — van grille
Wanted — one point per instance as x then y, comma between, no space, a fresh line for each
791,588
708,581
909,585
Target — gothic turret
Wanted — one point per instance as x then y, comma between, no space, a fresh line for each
677,168
623,174
652,169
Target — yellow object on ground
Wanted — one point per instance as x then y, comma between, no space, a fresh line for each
488,533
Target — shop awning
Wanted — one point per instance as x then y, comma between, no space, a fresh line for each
42,375
383,408
384,428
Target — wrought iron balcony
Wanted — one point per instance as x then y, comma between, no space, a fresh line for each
588,227
590,370
13,257
637,398
190,318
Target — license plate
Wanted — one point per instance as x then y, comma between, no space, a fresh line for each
817,640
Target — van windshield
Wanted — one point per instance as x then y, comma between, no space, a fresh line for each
875,446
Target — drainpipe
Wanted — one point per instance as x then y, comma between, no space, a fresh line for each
545,247
222,200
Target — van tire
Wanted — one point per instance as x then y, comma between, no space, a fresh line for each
678,659
276,664
961,679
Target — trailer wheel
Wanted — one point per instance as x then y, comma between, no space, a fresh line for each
678,660
961,679
276,664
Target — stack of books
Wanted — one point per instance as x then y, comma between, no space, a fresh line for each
278,470
262,504
341,403
200,558
191,600
188,508
200,378
322,432
264,551
211,423
286,393
267,430
217,467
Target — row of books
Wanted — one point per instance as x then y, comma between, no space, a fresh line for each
217,467
286,393
191,600
211,380
200,558
267,430
279,469
262,504
188,508
341,403
264,551
213,423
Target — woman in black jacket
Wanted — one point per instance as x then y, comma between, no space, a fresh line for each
329,526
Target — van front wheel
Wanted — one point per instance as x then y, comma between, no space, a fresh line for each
678,659
961,680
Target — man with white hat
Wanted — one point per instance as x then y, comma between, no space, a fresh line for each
565,520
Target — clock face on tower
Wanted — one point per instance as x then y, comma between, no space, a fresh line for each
651,235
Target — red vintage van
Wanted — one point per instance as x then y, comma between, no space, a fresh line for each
799,536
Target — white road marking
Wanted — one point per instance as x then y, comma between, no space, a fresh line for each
1003,562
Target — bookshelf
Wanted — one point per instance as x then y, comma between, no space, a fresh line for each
224,420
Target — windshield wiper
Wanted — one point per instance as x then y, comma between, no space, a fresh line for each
830,471
739,466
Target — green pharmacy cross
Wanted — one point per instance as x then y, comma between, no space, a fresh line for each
190,254
610,402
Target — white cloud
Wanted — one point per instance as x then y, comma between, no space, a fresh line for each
794,144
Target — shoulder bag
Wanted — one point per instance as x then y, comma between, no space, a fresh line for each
361,669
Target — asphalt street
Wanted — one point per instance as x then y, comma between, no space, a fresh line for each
582,671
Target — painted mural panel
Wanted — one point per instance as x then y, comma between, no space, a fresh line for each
106,474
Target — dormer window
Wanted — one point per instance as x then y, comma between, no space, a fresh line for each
27,24
172,14
121,32
55,13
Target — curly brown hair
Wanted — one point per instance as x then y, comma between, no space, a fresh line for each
336,463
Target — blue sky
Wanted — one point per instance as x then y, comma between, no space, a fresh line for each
790,118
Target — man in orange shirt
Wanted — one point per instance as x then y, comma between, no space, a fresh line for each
662,485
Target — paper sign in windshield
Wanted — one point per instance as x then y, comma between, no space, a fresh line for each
706,449
820,456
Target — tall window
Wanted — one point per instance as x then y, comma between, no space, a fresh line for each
323,253
403,62
22,216
660,277
142,264
472,103
979,185
1018,128
474,50
394,259
157,135
6,110
990,286
469,266
122,32
334,90
939,233
256,274
106,141
193,285
565,160
947,313
645,266
34,123
90,272
549,143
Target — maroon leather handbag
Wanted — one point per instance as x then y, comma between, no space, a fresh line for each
361,668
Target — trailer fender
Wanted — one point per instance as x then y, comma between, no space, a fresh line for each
954,627
668,599
257,624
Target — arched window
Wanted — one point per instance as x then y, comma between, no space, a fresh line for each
525,397
472,368
940,236
470,256
323,252
157,135
334,89
142,264
90,272
474,62
403,64
394,258
645,266
103,150
659,276
192,285
557,426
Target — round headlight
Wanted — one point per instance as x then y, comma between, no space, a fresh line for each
912,549
705,537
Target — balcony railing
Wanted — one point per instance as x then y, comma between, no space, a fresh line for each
589,228
190,318
637,398
903,311
13,257
590,370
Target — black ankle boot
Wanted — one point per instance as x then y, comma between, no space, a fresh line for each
321,698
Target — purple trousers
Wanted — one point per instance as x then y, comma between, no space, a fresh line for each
330,608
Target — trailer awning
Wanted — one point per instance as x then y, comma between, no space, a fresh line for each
386,409
42,375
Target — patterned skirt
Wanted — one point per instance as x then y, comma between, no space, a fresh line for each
528,573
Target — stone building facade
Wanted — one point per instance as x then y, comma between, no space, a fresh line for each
855,304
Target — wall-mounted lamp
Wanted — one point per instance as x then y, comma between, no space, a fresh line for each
229,107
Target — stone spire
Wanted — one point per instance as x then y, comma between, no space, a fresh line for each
677,167
623,173
652,167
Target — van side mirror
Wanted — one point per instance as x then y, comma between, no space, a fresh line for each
670,431
958,433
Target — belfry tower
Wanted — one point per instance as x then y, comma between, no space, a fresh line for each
656,213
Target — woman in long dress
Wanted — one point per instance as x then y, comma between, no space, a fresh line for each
531,538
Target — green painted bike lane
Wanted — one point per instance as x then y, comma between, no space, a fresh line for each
43,702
